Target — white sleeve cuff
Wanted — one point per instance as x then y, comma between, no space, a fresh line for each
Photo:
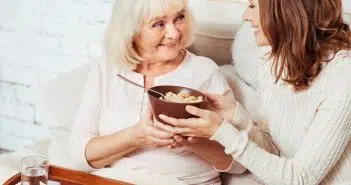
241,117
77,155
233,140
234,168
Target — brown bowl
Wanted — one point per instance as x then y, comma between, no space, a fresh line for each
172,109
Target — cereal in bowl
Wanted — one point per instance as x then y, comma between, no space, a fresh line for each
181,97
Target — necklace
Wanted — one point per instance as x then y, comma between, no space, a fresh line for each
142,105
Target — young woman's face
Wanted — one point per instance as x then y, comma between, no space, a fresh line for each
160,39
252,14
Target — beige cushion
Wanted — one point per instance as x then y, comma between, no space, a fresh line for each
217,18
217,23
214,48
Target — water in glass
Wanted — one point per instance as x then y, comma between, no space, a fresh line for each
34,171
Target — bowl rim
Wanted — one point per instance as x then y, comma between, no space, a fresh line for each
204,100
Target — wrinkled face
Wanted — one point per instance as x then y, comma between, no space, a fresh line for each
252,14
161,38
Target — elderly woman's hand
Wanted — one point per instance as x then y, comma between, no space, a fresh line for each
179,140
147,135
184,141
204,126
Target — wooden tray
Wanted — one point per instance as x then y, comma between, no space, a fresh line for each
70,177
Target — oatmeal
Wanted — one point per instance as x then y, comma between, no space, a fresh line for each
182,97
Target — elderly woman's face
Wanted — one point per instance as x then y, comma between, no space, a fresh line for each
252,14
160,38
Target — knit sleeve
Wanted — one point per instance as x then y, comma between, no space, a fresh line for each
85,126
257,132
323,145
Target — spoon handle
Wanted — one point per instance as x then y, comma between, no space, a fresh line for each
129,81
136,84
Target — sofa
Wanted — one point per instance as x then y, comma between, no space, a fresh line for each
58,99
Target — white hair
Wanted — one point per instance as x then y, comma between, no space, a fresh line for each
127,19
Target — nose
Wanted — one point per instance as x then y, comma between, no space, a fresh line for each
247,15
172,32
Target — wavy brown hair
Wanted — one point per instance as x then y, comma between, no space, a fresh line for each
303,34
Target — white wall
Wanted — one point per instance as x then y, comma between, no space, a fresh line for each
38,40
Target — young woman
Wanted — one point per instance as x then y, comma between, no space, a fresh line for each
305,97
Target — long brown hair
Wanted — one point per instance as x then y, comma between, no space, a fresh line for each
303,34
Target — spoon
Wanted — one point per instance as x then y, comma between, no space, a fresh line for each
138,85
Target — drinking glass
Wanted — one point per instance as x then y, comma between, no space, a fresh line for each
34,170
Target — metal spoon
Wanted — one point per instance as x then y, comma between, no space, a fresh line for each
138,85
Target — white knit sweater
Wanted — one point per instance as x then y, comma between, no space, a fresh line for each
312,129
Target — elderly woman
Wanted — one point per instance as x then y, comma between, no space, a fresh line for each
305,97
145,42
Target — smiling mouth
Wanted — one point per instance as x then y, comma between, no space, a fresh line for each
169,44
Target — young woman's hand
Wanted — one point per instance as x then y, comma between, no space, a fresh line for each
204,126
146,134
224,104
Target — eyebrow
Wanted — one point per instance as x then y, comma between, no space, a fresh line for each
158,17
181,11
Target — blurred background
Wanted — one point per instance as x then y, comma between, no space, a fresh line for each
40,39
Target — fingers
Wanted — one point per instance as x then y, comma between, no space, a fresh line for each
174,130
182,141
202,113
164,127
182,131
149,114
189,134
175,144
160,133
157,142
175,122
193,139
213,97
179,139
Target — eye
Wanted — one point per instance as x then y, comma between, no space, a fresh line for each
180,18
158,25
251,6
